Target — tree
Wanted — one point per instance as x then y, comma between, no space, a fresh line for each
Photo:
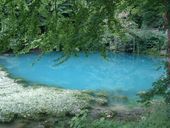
167,21
69,25
161,87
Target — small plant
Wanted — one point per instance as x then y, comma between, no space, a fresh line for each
80,120
158,117
102,123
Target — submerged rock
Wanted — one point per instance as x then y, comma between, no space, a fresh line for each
101,101
120,98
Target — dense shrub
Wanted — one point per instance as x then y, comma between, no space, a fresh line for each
143,42
160,90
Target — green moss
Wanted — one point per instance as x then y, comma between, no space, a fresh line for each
102,94
89,92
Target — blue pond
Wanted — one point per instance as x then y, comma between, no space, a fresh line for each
119,72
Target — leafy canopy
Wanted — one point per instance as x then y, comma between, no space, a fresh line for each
70,25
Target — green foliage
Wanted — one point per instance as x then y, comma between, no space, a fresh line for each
71,26
64,25
147,16
157,118
143,24
144,41
80,120
102,123
83,121
160,89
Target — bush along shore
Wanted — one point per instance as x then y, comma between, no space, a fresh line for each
48,107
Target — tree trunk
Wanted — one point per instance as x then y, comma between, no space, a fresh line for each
167,25
168,52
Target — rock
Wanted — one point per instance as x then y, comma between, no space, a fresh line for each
118,113
50,122
129,115
98,112
163,52
101,101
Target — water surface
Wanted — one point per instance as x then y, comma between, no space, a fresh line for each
119,72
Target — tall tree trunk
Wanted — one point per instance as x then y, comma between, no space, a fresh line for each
168,52
167,26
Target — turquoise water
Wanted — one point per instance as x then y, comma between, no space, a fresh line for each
119,72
